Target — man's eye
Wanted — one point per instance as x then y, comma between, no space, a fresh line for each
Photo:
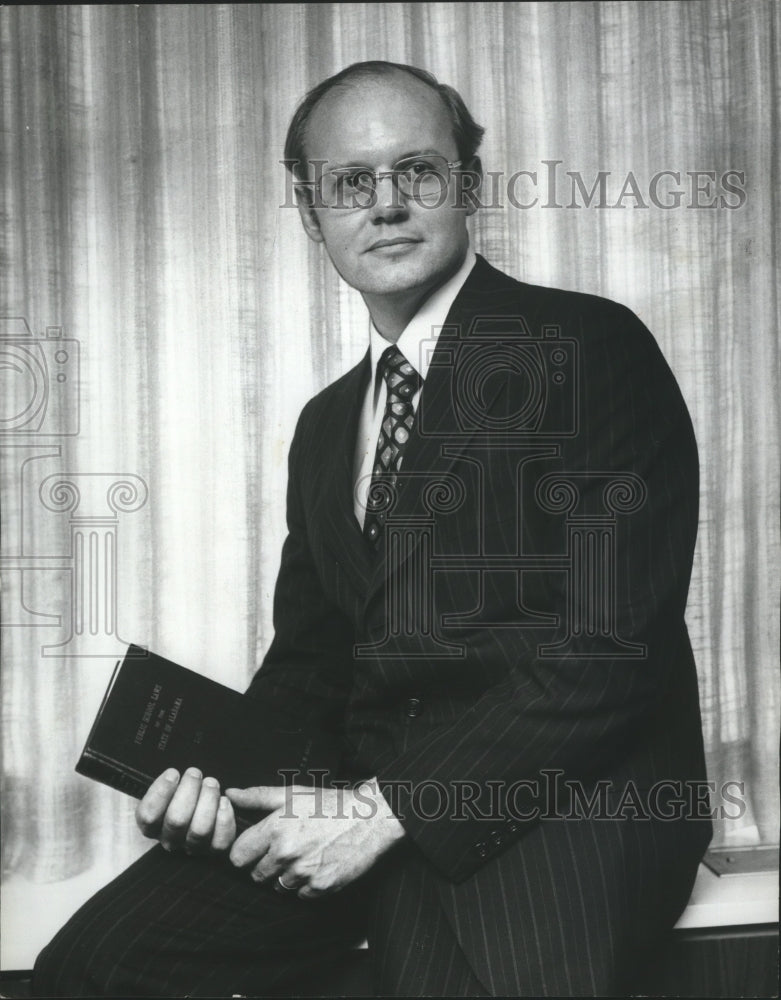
355,180
420,168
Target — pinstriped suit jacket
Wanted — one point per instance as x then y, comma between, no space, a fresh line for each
523,626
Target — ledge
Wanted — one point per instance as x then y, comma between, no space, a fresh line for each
731,900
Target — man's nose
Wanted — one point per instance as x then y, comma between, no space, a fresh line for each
388,203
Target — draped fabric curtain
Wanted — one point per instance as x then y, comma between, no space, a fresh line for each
165,318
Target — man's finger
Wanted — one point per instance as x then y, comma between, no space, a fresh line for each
266,869
308,892
285,882
265,797
252,845
199,833
224,826
151,809
181,809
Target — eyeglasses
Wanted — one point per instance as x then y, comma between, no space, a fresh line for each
422,178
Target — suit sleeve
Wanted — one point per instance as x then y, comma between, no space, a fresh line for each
307,672
577,715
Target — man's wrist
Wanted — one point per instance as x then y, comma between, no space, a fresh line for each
369,790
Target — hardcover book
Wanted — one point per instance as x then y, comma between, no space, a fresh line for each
157,714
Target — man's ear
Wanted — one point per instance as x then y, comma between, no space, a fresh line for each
309,220
470,177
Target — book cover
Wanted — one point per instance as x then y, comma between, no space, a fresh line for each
157,714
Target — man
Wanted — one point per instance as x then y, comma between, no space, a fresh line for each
491,527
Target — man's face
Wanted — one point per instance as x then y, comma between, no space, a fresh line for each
374,123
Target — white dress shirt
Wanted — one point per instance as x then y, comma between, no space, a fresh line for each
416,343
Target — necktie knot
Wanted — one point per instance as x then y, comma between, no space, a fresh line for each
399,375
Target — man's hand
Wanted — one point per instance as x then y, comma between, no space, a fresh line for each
188,813
317,841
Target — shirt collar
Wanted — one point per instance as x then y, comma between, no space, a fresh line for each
423,328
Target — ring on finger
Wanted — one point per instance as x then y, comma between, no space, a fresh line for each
280,886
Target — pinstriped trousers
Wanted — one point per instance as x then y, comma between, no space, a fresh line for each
173,926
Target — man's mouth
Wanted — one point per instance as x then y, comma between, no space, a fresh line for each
397,241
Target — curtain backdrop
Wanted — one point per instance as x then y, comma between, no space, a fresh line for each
178,319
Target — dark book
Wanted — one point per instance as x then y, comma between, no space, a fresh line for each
157,714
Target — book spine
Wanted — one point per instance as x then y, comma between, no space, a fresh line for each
112,774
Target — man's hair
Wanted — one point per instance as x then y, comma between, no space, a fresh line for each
467,133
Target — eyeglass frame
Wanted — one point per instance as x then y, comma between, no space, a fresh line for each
377,175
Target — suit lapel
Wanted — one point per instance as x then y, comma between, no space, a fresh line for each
438,428
342,532
438,438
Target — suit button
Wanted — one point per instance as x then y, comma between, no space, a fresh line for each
513,826
496,837
481,850
413,707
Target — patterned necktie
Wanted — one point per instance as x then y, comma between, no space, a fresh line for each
403,382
